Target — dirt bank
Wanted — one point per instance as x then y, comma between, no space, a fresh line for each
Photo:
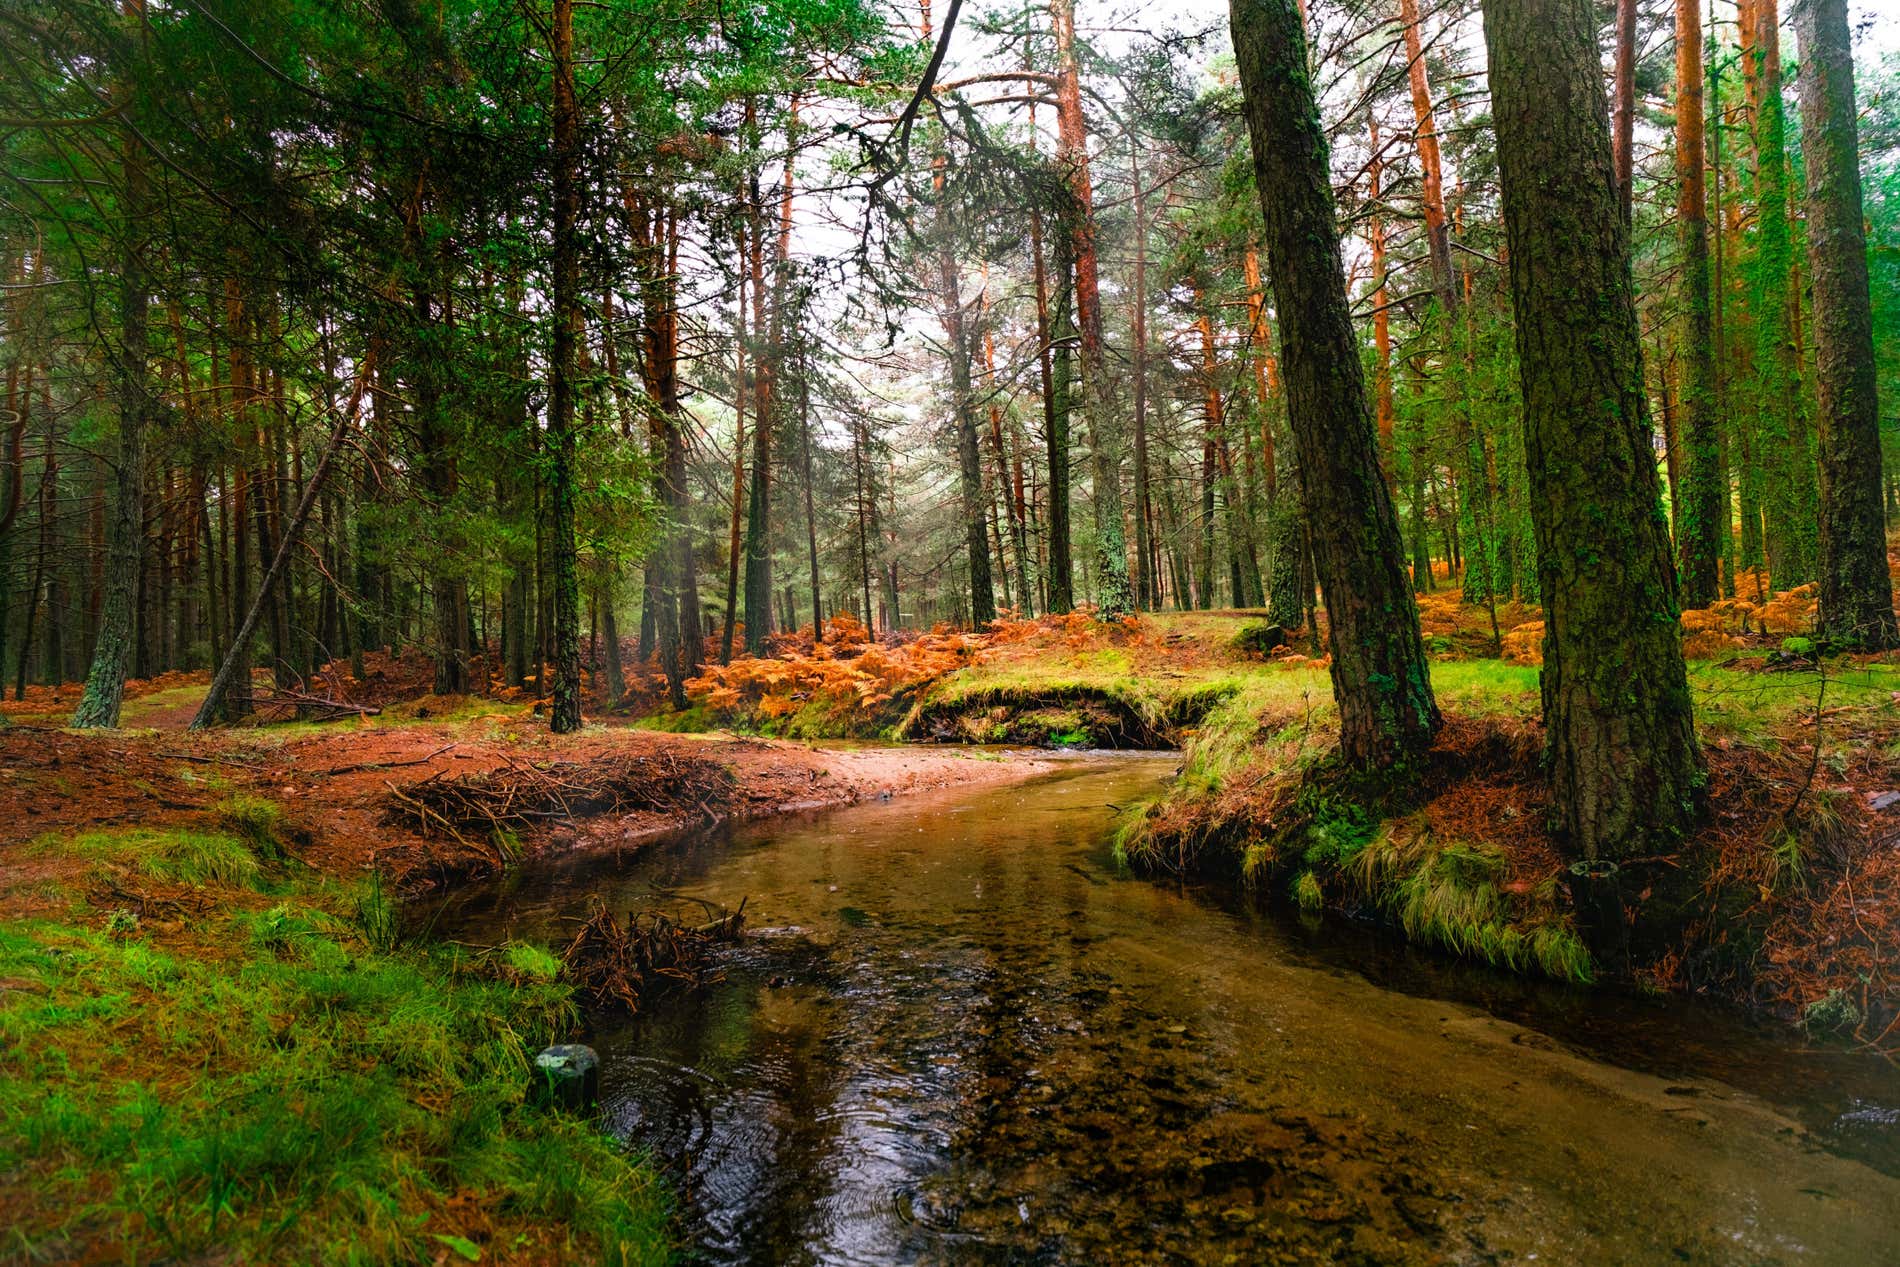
335,787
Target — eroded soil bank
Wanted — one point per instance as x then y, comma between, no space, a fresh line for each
334,787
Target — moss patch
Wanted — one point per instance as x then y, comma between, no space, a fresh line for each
257,1075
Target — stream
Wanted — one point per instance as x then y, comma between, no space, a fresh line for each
957,1032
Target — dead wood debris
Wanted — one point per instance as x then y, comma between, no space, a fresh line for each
523,795
613,965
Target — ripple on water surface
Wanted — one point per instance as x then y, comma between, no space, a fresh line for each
959,1035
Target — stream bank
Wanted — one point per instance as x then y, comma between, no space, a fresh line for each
960,1032
225,1042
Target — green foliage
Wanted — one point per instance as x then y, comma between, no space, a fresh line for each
1836,1012
1306,892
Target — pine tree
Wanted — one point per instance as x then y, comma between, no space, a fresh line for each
1387,715
1625,772
1856,592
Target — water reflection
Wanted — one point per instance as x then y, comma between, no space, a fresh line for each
959,1035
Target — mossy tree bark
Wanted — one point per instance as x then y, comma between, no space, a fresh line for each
1702,526
1387,715
1786,449
1623,763
1856,598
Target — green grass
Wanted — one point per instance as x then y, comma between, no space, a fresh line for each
1749,707
256,820
271,1084
178,857
1448,894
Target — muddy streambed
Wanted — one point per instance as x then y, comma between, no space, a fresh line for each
958,1034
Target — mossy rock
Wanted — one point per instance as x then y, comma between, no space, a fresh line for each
1260,638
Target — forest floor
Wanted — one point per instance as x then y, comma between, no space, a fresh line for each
224,1039
223,1047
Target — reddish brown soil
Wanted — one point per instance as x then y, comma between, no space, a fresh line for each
334,785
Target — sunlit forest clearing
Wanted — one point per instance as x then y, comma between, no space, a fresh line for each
645,632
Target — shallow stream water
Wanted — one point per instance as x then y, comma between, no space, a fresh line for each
958,1033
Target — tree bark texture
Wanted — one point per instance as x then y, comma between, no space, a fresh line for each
1856,595
1622,756
1702,514
1380,679
564,715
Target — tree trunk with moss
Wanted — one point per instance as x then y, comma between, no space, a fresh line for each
1702,526
1786,449
1387,715
1623,764
1856,598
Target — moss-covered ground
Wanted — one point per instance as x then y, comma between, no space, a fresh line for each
214,1053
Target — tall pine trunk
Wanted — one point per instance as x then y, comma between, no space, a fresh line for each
1114,593
1856,598
1702,514
1061,392
1387,715
1785,451
105,683
1623,764
564,714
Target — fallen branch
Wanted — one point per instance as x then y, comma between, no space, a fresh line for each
192,756
384,765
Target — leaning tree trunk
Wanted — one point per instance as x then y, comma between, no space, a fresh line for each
1622,755
235,668
1380,680
1856,599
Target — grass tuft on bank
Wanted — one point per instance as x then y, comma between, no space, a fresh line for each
217,1054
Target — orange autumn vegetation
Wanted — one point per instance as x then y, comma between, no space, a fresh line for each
1708,633
851,669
